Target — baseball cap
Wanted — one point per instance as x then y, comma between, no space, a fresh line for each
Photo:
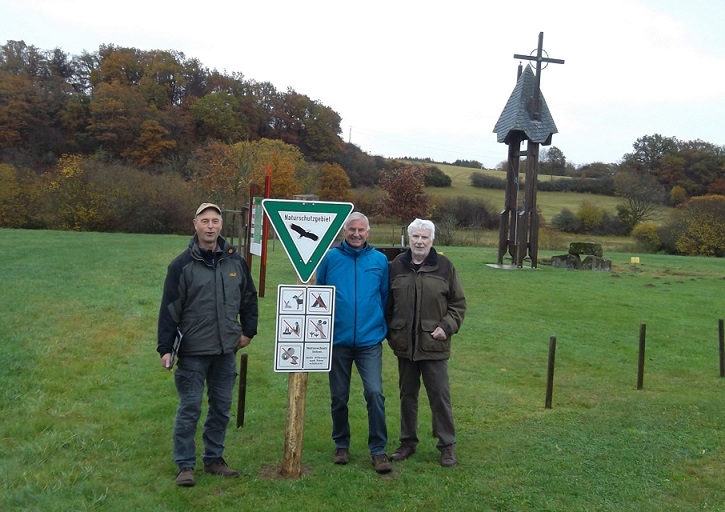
204,206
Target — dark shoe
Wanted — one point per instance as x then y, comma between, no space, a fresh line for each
219,467
185,478
381,463
342,456
448,457
403,452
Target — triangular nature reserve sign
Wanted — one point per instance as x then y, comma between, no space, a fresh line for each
306,229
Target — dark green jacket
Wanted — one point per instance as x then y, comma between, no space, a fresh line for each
211,298
421,300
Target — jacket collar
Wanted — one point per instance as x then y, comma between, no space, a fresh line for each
430,261
345,247
221,247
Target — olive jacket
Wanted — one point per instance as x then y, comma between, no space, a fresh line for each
421,300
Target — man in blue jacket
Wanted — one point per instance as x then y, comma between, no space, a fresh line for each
209,296
360,274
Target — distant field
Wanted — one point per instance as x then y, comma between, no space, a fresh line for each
550,203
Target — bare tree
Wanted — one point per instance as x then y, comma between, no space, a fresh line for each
642,194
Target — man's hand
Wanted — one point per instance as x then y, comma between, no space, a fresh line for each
243,342
166,361
439,334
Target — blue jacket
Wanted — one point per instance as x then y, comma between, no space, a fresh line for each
361,296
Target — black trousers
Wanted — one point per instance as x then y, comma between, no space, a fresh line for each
437,386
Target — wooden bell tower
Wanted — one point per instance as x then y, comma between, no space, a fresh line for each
524,118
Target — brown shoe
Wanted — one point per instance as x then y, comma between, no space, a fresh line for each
219,467
381,463
185,478
342,456
404,451
448,457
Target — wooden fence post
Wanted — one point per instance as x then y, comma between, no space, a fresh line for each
722,347
550,372
640,366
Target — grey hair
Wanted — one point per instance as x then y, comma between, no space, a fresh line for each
356,216
424,225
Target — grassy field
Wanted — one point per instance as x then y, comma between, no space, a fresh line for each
87,411
550,203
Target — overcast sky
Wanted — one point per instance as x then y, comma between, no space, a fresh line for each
429,79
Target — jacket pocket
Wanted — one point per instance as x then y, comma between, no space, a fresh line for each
430,344
398,335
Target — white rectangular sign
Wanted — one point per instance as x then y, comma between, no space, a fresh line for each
304,330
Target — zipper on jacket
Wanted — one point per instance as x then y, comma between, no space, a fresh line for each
354,301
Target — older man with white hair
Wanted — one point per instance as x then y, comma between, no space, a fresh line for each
426,307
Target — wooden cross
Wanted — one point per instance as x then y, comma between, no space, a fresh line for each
539,59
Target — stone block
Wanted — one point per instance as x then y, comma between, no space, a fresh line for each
566,261
590,248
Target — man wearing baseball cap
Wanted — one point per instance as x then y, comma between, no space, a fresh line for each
210,300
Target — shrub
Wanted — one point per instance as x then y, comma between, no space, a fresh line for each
481,180
468,213
611,225
590,215
603,186
678,195
646,233
434,177
567,221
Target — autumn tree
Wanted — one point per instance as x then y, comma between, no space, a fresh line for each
116,114
153,145
334,184
12,212
225,172
283,160
79,205
218,116
703,220
406,198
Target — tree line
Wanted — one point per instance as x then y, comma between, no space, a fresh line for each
152,110
88,141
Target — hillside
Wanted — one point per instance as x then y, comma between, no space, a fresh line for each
550,203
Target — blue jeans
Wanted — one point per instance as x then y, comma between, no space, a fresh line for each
369,364
192,373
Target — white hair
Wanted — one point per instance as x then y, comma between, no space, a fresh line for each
424,225
356,216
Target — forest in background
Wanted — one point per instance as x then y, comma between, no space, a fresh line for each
123,139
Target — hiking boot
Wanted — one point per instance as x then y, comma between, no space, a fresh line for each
185,478
403,452
219,467
342,456
381,463
448,457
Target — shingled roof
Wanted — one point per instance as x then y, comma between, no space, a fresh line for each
516,114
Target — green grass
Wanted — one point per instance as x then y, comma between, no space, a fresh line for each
550,203
87,411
